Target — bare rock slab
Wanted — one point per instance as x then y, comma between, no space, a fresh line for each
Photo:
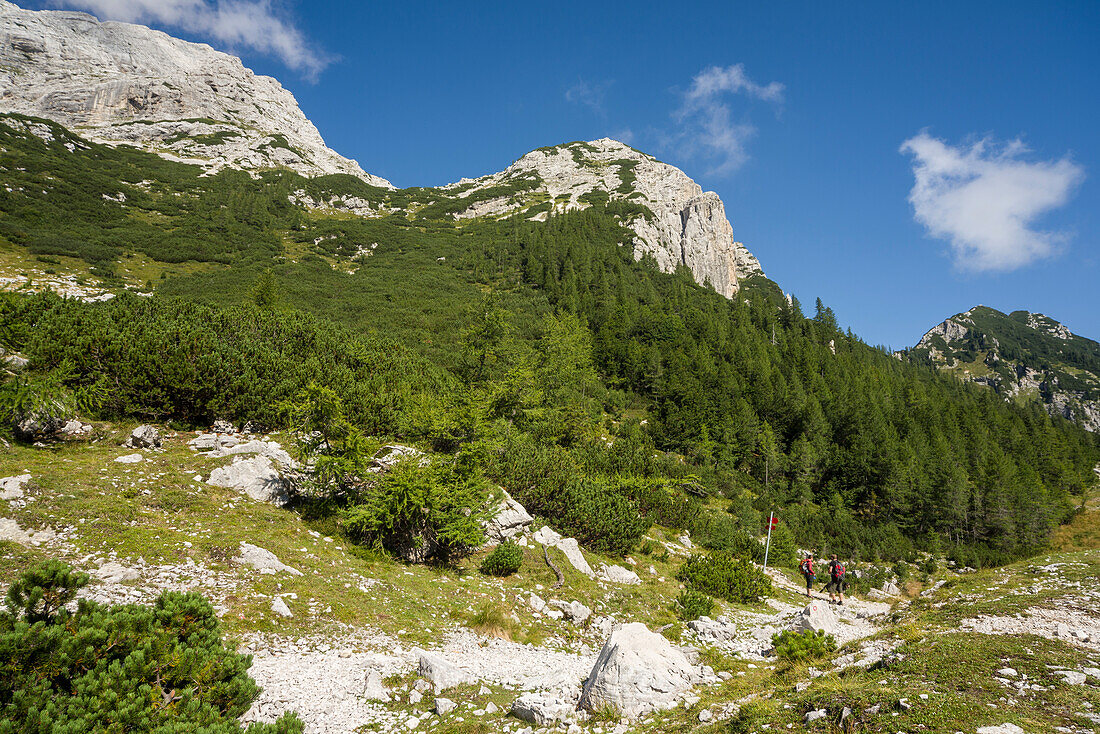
439,672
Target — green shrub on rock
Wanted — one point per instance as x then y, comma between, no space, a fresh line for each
120,668
725,577
807,645
505,560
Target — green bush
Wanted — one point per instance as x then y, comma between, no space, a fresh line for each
120,668
505,560
421,513
726,577
929,566
807,645
694,604
599,515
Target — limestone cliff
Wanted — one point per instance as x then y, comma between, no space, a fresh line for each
124,83
674,220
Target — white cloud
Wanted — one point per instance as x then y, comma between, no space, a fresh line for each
251,24
706,125
984,198
589,94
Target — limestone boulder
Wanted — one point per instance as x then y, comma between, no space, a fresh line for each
509,520
441,674
543,709
574,611
388,456
818,615
11,488
373,688
263,560
619,575
257,477
144,437
637,672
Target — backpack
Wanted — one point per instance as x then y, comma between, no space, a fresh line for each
807,567
838,570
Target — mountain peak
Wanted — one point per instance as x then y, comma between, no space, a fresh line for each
125,83
1024,356
673,219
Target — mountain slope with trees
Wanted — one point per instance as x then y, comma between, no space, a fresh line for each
1025,357
564,367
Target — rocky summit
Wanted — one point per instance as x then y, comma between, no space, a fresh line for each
125,83
1026,357
674,220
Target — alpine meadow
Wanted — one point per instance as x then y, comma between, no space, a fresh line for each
288,448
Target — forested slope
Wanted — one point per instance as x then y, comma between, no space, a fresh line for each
594,387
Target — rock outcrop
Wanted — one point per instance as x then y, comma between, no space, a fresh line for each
675,222
638,671
124,83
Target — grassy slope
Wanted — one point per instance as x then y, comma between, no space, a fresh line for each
154,509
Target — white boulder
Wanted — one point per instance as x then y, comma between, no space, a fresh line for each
129,459
817,615
573,610
509,520
143,437
373,688
619,575
542,709
11,488
439,672
116,573
572,550
262,560
279,607
257,477
388,456
638,671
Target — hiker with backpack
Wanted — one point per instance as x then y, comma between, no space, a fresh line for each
806,567
836,584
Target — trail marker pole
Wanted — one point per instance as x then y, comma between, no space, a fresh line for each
767,548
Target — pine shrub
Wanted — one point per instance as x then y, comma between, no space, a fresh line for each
120,668
505,560
726,577
807,645
693,604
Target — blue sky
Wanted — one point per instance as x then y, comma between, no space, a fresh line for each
796,113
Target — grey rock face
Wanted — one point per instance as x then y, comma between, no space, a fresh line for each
124,83
144,437
688,226
440,673
638,671
511,519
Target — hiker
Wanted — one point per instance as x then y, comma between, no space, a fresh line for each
835,587
807,569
